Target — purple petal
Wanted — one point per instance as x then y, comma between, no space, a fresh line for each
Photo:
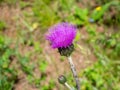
61,35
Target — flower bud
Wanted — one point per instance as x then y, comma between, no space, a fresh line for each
62,79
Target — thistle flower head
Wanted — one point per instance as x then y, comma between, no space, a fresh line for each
61,35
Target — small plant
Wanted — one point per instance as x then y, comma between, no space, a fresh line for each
61,36
46,15
2,25
8,74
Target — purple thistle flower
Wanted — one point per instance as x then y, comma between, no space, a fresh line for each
61,35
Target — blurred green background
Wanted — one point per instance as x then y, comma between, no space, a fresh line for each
27,61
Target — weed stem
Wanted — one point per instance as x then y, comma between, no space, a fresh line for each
74,72
68,86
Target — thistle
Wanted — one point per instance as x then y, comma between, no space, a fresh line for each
61,36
